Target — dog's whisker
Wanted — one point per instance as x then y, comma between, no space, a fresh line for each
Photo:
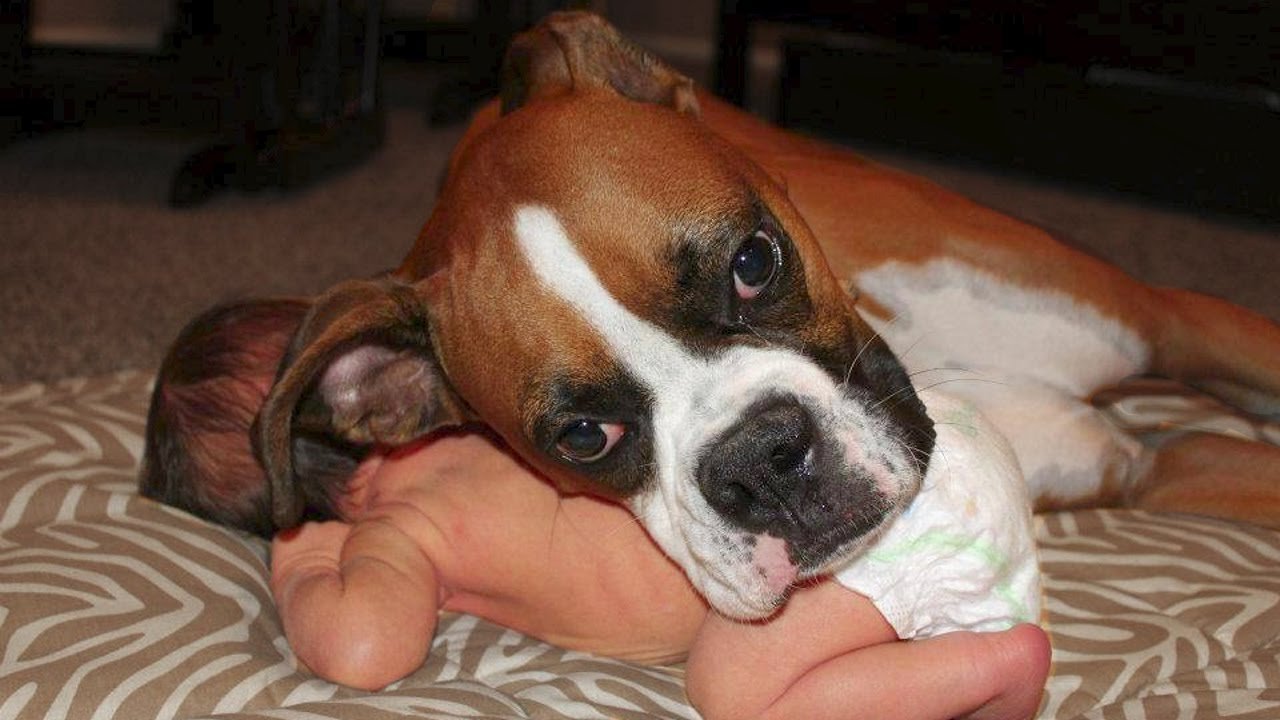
879,335
941,369
931,386
641,538
891,396
919,453
907,350
623,526
988,381
926,458
755,332
866,344
912,450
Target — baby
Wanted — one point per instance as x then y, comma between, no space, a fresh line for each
454,522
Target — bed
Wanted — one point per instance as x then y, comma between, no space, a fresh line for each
112,606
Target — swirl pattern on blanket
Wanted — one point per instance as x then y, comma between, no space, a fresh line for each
112,606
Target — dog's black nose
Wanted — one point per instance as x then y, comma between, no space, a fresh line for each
757,473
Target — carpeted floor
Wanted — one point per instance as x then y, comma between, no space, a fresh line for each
98,274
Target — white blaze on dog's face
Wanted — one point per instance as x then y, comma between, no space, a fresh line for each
714,418
671,337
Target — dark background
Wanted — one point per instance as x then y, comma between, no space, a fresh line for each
241,155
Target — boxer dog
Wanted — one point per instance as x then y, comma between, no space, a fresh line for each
652,296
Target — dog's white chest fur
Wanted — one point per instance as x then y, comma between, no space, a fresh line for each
1027,358
950,314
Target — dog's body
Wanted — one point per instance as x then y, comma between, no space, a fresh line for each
602,200
654,297
1022,325
1002,313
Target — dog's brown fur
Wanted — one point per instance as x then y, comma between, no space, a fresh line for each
215,377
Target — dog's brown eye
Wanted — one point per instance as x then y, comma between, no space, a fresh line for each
586,441
755,263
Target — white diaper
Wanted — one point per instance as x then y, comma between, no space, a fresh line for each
962,556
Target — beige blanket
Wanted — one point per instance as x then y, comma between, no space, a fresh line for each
114,607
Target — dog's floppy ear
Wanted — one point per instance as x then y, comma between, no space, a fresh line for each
360,369
573,50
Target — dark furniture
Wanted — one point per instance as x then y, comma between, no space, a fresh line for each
288,87
298,89
475,46
1177,100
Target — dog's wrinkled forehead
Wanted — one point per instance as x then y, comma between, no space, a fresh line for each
593,228
654,216
599,151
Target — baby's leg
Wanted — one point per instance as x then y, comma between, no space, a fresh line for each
830,654
358,602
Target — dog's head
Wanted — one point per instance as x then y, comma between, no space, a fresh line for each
640,312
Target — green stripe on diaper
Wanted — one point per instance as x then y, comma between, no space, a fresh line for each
937,541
